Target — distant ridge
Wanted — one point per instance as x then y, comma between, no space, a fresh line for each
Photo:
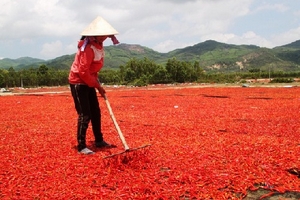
19,62
211,55
293,45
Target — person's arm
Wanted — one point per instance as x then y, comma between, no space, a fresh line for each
101,90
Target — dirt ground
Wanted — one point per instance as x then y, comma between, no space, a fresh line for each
259,194
63,89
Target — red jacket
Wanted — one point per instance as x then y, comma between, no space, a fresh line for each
87,64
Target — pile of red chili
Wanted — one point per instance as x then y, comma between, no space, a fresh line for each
206,143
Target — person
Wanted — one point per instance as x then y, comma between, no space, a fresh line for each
84,82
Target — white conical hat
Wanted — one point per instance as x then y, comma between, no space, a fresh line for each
99,27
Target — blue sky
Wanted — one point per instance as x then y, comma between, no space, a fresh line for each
49,29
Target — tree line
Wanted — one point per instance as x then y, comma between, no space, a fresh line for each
139,72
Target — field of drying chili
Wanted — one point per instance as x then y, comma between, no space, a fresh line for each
206,143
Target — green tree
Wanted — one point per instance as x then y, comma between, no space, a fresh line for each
160,75
43,75
3,78
12,77
197,73
136,70
30,78
179,71
109,76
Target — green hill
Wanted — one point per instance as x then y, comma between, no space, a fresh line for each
212,56
62,62
116,56
19,63
289,52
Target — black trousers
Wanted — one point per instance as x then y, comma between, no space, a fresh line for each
88,110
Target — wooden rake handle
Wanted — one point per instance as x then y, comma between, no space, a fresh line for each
121,136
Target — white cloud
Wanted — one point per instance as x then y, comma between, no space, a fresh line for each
224,38
252,38
286,37
165,29
248,38
52,50
168,45
51,28
280,7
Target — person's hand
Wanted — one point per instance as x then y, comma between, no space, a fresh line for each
101,91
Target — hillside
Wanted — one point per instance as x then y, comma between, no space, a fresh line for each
19,63
115,56
212,56
289,52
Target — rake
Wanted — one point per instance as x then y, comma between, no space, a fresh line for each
121,136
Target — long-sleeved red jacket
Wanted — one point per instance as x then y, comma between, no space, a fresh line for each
87,64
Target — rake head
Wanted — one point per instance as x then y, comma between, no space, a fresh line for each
127,151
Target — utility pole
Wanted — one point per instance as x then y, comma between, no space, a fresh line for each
270,72
21,82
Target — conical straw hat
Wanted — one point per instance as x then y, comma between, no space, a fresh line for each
99,27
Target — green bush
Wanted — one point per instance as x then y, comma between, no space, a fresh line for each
282,80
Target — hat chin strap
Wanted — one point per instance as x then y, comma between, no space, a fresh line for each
114,39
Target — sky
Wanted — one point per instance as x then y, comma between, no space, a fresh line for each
47,29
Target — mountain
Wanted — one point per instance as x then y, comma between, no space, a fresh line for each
211,55
289,52
62,62
116,56
19,63
293,45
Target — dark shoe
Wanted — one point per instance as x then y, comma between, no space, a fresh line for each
104,144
